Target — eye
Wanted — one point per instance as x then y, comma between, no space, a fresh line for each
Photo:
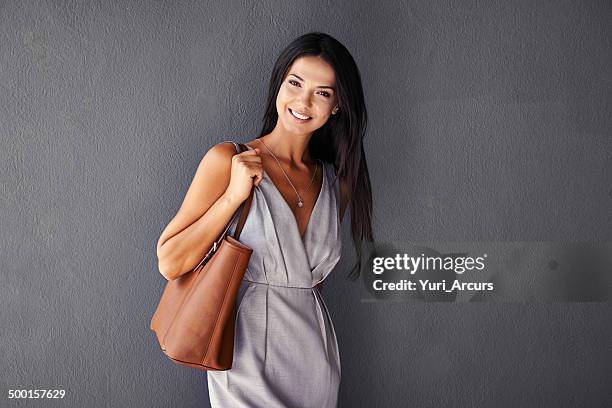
296,83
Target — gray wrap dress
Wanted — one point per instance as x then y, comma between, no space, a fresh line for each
285,347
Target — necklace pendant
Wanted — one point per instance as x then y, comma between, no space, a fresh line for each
300,204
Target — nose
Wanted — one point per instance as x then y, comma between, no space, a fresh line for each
305,99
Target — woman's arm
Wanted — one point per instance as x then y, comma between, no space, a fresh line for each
206,210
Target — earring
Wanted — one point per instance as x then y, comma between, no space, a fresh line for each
336,109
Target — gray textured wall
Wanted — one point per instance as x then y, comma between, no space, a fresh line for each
494,117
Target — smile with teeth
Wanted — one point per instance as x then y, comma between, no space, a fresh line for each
299,116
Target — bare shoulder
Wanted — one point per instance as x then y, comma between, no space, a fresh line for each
214,170
215,165
219,154
209,183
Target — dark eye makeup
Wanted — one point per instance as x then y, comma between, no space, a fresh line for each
296,83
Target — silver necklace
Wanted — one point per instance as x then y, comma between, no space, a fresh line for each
300,203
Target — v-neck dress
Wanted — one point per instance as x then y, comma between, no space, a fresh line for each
285,347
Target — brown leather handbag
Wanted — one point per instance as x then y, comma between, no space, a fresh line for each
194,321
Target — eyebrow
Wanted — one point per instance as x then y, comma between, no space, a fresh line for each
326,87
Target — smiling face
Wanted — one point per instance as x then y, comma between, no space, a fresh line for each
307,95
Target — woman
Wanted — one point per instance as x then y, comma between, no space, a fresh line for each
308,166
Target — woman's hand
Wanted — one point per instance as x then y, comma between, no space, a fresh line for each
246,171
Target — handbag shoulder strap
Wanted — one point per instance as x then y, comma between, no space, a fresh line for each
246,205
244,208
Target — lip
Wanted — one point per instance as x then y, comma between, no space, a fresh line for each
300,113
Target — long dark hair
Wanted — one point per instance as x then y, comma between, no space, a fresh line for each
340,140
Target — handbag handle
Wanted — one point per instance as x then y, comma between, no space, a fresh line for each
244,207
243,210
